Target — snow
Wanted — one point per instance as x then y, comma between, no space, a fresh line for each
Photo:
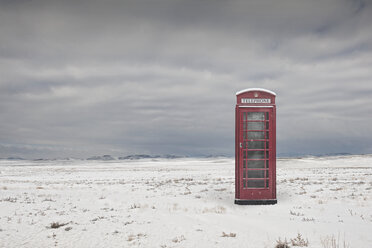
181,203
255,89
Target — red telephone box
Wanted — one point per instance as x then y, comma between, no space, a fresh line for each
255,147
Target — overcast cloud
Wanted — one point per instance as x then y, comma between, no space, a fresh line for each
83,78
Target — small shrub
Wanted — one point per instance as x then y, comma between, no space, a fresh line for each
282,244
98,218
217,210
48,199
132,237
308,219
222,189
10,199
228,235
56,225
351,212
299,241
178,239
295,213
135,206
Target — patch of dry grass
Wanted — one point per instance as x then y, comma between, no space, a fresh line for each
307,219
299,241
56,225
282,244
10,199
132,237
217,210
228,235
178,239
331,242
295,213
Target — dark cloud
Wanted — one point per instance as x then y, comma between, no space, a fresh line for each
80,78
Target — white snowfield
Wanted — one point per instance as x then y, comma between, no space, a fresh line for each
182,203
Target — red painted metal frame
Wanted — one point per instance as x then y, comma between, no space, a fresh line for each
255,195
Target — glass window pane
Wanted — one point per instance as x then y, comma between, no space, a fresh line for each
256,164
267,125
256,144
256,154
256,183
256,174
256,116
267,135
267,115
244,185
256,125
267,144
244,116
267,164
267,183
267,154
256,135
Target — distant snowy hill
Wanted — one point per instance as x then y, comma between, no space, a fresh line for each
103,158
145,156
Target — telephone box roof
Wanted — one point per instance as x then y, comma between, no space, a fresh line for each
256,89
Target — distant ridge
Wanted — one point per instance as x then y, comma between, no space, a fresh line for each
15,158
132,157
102,158
300,155
144,156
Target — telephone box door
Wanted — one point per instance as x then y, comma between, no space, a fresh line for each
254,153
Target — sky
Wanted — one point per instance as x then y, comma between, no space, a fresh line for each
84,78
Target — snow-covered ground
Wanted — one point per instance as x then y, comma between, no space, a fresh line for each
181,203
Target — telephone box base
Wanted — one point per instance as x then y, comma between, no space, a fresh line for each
255,202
